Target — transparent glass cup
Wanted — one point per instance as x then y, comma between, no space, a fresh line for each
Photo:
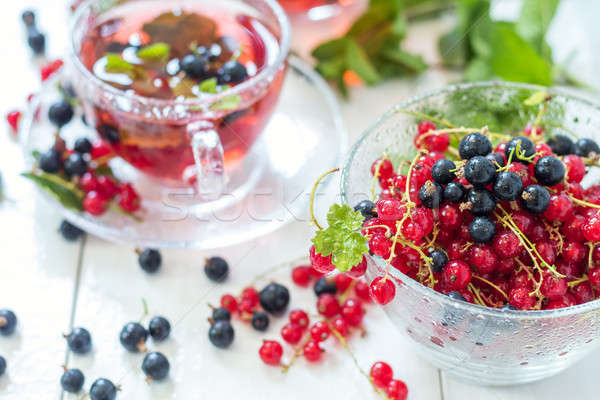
484,346
187,141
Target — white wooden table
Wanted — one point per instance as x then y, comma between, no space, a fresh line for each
53,285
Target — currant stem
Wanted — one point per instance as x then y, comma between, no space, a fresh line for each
476,295
312,197
376,177
576,282
276,268
491,284
582,202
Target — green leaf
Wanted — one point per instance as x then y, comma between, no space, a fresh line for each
479,70
358,61
536,98
64,191
452,49
533,23
331,49
226,103
332,69
209,86
155,51
412,62
514,59
115,64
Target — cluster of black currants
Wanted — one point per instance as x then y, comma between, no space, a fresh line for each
489,181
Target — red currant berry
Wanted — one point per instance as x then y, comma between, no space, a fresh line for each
583,293
596,255
383,168
381,374
320,331
523,220
572,229
352,312
575,168
13,118
396,390
358,270
382,290
457,275
594,277
246,307
94,203
99,149
320,263
522,171
520,298
483,258
291,333
88,182
361,289
439,142
250,295
129,200
107,186
544,149
342,282
505,266
450,217
48,69
554,288
521,279
327,305
312,351
341,326
561,208
574,251
229,302
591,229
455,249
412,230
425,126
390,210
301,275
270,352
380,245
547,251
300,318
506,244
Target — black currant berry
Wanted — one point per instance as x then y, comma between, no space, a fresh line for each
232,72
221,334
274,298
69,231
159,328
150,260
103,389
8,322
526,148
508,307
585,147
482,201
443,171
36,41
474,144
79,340
109,133
75,165
260,321
194,66
439,260
482,229
480,171
496,159
72,380
549,171
221,314
133,337
60,113
561,145
367,208
216,269
456,296
322,285
2,365
431,195
535,199
454,192
83,145
50,162
508,186
28,17
155,366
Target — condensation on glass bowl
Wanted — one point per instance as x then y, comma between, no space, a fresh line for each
272,184
481,345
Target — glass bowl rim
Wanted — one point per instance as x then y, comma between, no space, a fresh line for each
264,74
425,290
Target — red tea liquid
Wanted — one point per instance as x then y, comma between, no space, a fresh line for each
220,37
300,6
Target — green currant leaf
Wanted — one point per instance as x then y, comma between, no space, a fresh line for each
155,51
63,190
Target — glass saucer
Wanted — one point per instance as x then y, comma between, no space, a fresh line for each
304,138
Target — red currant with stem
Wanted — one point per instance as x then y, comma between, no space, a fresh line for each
412,230
457,275
320,263
396,390
358,270
312,351
342,282
506,244
302,275
554,288
250,294
300,318
341,326
270,352
591,229
291,333
352,312
327,305
483,258
94,203
361,289
382,290
229,302
380,245
383,167
546,250
381,374
520,298
390,209
319,331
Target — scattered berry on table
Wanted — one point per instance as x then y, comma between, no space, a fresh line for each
221,334
79,340
274,298
133,337
60,113
327,305
103,389
300,318
302,275
291,333
2,365
352,311
221,314
69,231
49,69
323,285
320,331
216,269
13,117
312,351
260,321
396,390
270,352
229,302
72,380
381,374
156,366
150,260
160,328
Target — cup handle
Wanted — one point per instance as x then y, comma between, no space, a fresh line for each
208,157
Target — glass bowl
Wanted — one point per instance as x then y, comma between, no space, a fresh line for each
484,346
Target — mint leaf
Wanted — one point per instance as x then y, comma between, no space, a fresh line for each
115,64
61,189
533,23
156,51
342,239
358,61
226,103
209,86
